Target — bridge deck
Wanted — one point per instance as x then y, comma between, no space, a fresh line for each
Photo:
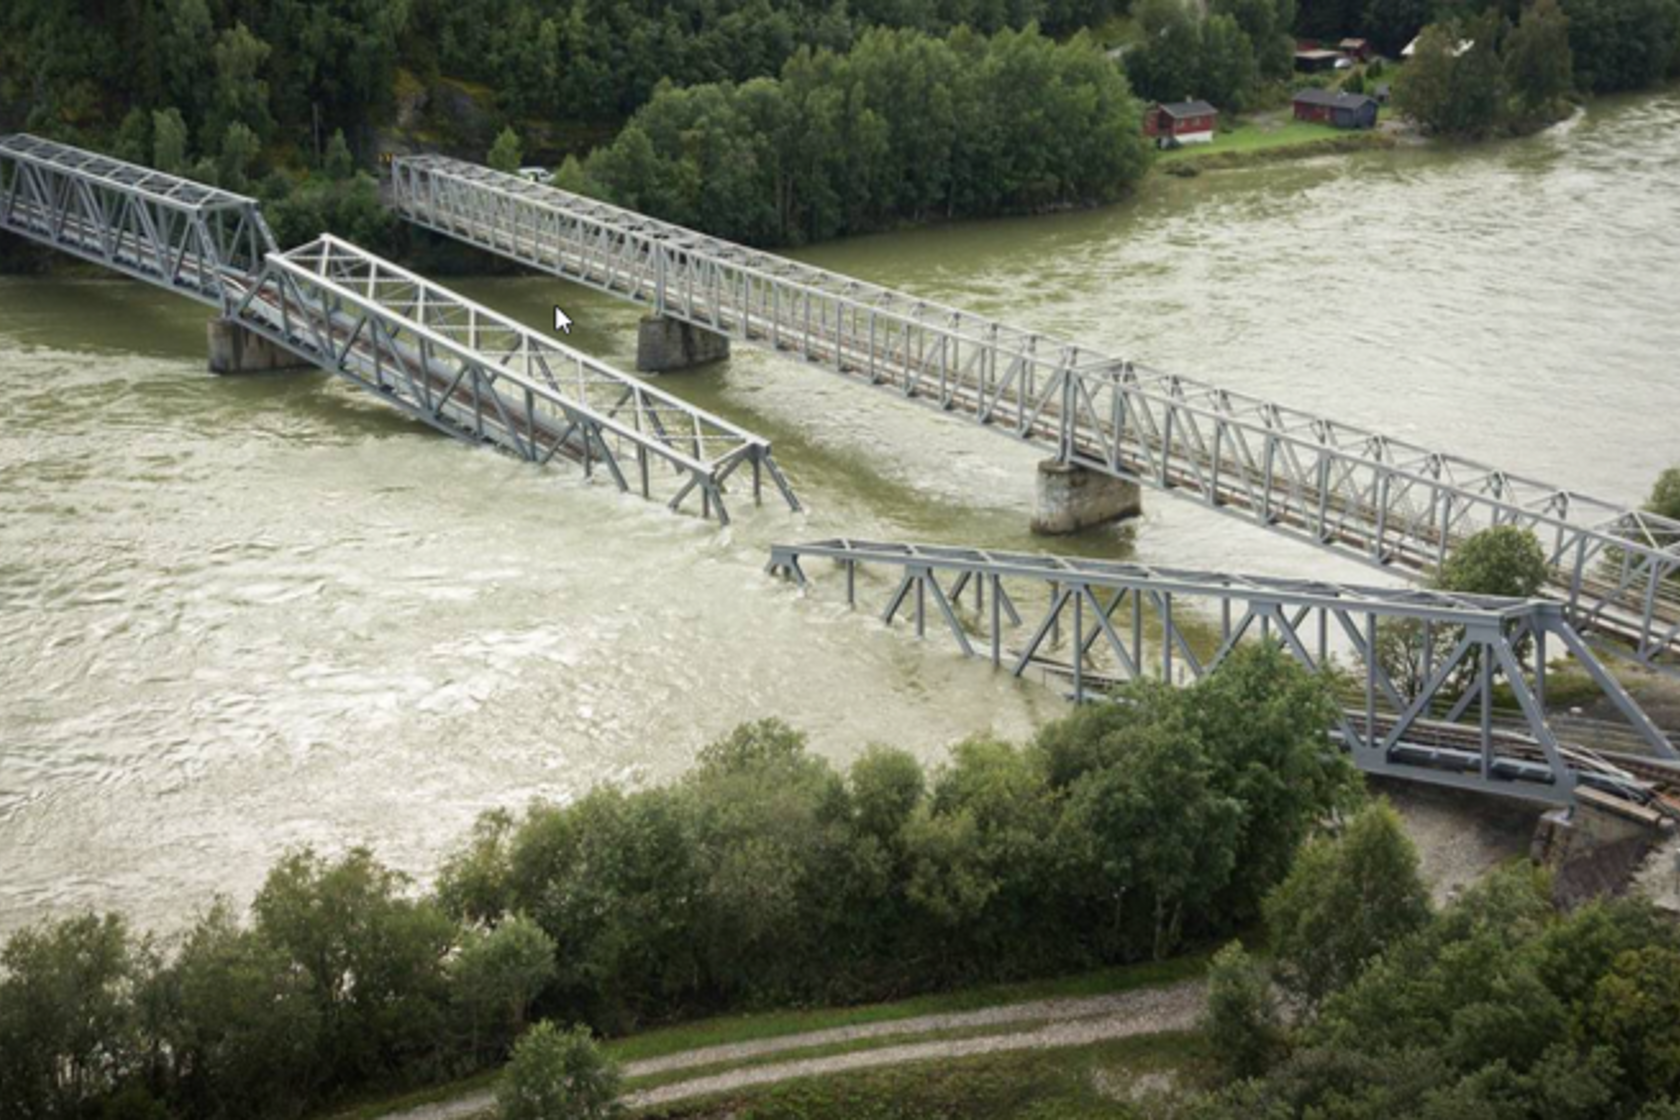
1105,622
1386,502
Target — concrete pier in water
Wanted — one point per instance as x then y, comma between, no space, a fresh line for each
664,345
1071,498
235,348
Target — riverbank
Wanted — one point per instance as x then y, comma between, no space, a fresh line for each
1274,136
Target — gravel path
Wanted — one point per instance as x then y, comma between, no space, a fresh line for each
1133,1013
1063,1022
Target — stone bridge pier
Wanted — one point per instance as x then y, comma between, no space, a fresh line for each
1071,498
664,345
235,348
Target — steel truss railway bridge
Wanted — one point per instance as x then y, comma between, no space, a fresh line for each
1389,503
1094,623
463,369
481,377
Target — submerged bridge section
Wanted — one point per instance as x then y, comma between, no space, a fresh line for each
456,365
1472,713
1389,503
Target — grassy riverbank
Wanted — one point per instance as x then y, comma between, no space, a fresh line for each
1260,141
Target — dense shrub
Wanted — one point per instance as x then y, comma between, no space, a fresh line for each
1498,1006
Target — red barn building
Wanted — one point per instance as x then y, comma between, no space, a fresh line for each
1341,110
1181,122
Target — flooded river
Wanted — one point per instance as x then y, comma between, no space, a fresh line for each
242,614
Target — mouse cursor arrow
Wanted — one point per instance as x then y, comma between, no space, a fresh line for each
562,321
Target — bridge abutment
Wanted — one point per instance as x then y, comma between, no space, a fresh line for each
1071,498
664,345
235,348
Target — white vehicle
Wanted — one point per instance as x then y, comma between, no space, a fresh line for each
539,175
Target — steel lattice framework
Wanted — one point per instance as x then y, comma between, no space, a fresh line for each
473,373
460,367
1387,502
167,231
1111,622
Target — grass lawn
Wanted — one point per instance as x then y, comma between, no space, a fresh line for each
1079,1083
1246,137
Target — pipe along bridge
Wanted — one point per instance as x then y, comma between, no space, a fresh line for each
459,367
1384,501
1472,714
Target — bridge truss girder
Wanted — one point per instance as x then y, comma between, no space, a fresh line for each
480,376
159,228
1114,622
1385,502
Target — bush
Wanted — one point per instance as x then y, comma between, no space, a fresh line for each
558,1075
496,977
1241,1021
1344,901
1665,495
1502,560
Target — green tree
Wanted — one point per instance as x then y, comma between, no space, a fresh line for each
1391,24
337,162
1157,829
68,1026
374,959
1166,63
497,975
1228,73
1267,24
169,141
1538,65
1504,560
558,1075
887,786
1665,495
1452,89
1242,1021
1344,901
506,154
240,93
473,884
1264,720
133,141
240,147
1636,1010
1622,44
612,878
244,1027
